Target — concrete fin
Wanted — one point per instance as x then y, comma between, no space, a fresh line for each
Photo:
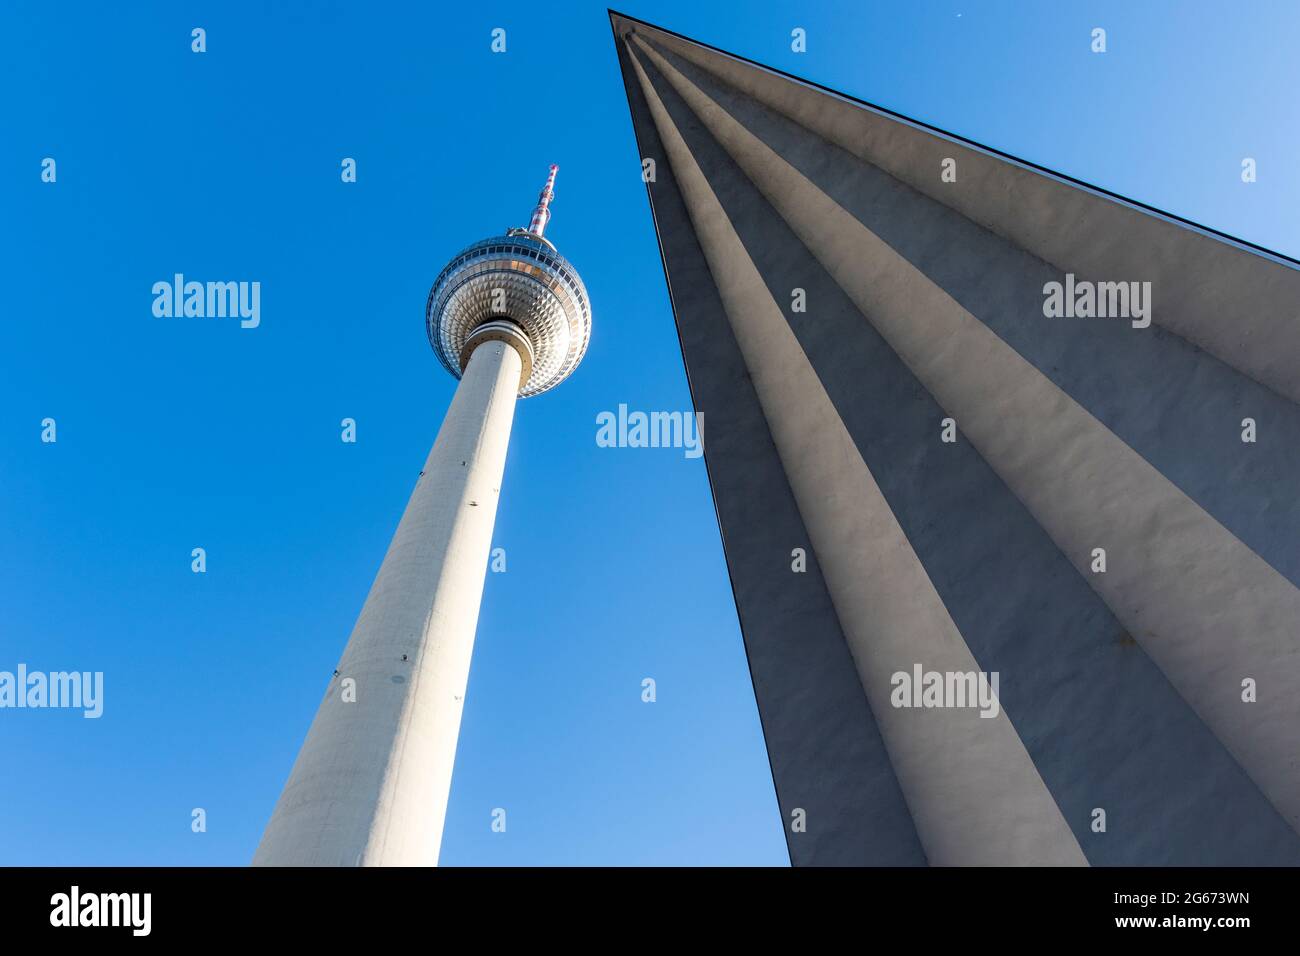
1207,609
1237,301
974,793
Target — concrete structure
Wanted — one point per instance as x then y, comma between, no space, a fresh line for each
861,305
508,316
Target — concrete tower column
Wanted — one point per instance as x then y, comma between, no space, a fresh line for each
370,785
510,318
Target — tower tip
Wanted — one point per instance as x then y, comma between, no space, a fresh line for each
542,211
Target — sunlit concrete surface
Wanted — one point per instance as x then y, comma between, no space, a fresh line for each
1160,695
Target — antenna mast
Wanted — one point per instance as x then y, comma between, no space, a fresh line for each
542,212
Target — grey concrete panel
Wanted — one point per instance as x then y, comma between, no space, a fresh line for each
975,795
1242,306
1210,612
1173,403
1046,416
1164,779
825,750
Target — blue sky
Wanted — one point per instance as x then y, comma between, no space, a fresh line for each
183,433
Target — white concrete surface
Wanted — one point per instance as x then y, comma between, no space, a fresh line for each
371,782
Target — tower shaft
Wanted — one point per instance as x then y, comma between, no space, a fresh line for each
371,782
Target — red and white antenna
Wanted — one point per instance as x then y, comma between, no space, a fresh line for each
542,212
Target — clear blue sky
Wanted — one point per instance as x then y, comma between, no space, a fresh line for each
183,433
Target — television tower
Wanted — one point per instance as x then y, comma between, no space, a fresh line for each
509,317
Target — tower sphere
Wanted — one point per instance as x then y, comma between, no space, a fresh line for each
373,791
517,278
